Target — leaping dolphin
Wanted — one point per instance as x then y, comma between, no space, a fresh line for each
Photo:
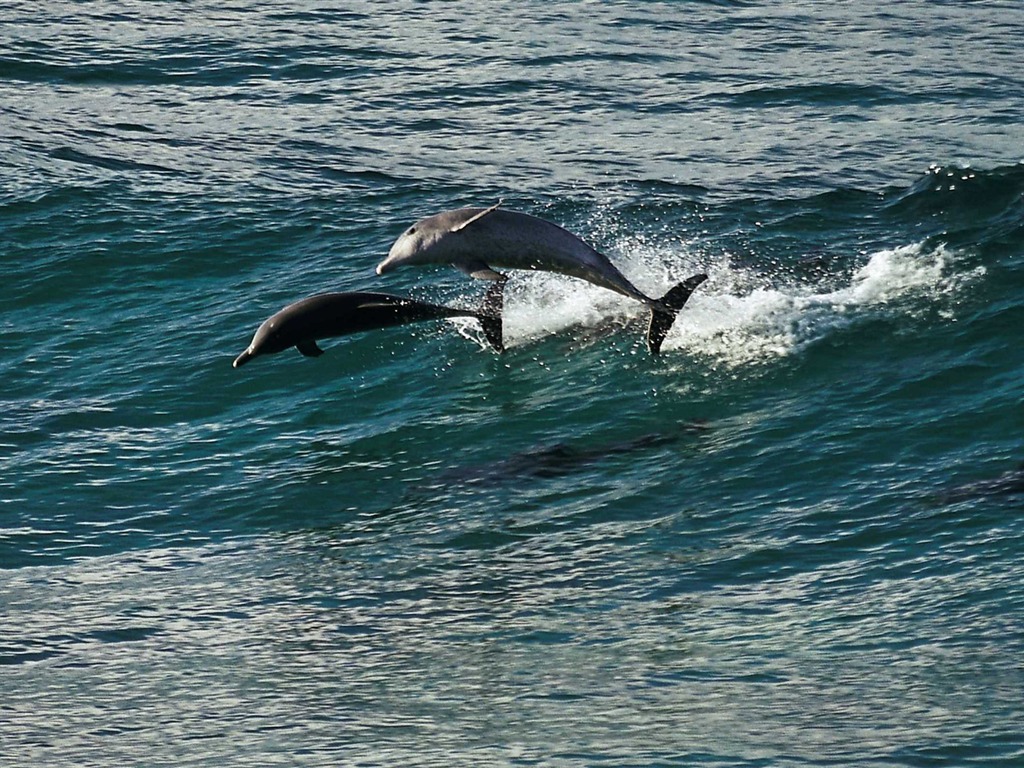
475,239
337,314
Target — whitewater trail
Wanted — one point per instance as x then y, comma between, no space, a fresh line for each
734,319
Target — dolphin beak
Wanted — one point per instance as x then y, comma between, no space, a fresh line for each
382,267
242,359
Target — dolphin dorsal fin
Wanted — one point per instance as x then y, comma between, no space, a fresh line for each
477,217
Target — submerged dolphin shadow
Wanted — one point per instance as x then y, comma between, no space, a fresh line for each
558,459
1009,483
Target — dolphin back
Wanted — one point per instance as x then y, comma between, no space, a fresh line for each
368,311
383,310
515,240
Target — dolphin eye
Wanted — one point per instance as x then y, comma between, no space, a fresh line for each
411,231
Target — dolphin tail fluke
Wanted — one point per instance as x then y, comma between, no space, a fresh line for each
490,314
662,317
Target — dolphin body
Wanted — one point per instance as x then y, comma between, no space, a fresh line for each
475,239
1009,483
560,459
338,314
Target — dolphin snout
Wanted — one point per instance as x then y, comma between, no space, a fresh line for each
242,359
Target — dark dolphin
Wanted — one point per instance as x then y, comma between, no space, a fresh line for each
559,459
1010,483
475,239
337,314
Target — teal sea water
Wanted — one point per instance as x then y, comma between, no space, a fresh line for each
793,539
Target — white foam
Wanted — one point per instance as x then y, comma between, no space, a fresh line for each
738,317
767,323
540,304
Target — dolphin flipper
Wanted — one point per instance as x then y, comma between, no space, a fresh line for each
309,348
663,317
478,268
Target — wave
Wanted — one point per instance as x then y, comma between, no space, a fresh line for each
735,318
960,189
767,323
965,206
771,293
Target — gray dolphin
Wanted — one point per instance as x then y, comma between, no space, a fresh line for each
475,239
337,314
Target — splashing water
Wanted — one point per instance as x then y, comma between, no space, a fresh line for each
769,323
731,322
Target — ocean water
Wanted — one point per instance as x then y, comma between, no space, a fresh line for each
793,539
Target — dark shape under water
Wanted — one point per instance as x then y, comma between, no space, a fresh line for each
325,315
560,459
109,163
1007,484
